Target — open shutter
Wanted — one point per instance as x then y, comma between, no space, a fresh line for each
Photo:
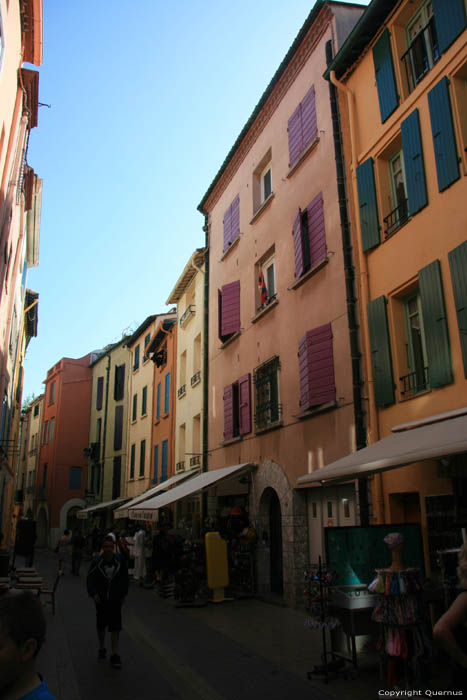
304,372
227,227
380,348
167,393
316,231
369,221
444,140
294,130
449,21
413,162
118,430
298,244
230,311
219,313
458,265
309,123
228,413
435,325
155,469
164,460
385,78
244,400
100,393
235,219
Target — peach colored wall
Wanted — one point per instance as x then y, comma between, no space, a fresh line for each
164,428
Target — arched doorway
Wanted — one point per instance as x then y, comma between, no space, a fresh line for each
271,527
42,528
72,521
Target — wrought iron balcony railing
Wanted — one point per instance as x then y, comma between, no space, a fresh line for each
396,218
180,466
196,378
182,391
422,53
415,382
187,314
195,460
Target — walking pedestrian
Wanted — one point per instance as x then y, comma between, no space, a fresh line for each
107,584
22,631
140,542
63,550
78,544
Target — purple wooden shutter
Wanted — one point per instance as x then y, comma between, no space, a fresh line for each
298,244
244,400
100,393
316,231
309,124
230,321
227,227
321,365
228,413
219,313
303,372
118,431
294,129
235,219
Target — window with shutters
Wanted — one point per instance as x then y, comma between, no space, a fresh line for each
164,460
231,224
266,291
262,185
147,340
136,358
144,401
132,461
268,409
52,393
142,458
458,269
119,382
444,135
155,464
398,197
422,42
237,408
459,87
134,411
416,380
316,368
167,393
229,310
309,238
302,129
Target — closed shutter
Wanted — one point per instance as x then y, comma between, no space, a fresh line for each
298,244
158,401
385,78
167,393
116,476
413,162
309,123
164,460
227,227
435,325
304,372
118,428
369,221
316,231
458,265
380,348
230,311
235,219
228,413
444,140
100,393
244,399
294,130
449,21
316,367
156,464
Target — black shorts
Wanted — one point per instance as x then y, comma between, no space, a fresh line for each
109,614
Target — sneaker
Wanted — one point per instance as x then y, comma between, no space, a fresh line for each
115,661
102,653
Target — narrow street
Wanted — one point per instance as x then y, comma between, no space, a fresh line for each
169,653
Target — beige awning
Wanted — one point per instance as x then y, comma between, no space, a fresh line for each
83,513
122,511
148,509
430,438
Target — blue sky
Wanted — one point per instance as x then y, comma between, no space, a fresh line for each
147,99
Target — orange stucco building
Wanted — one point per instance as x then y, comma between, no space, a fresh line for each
401,84
281,383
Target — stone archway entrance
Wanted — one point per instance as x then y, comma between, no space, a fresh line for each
270,558
72,521
42,529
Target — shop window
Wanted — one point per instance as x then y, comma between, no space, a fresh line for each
268,409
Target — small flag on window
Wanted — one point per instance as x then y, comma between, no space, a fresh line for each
262,288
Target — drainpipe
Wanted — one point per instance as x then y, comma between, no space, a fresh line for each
369,435
204,449
104,431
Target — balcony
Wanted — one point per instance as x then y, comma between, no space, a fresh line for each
182,391
396,218
180,467
195,460
196,378
187,315
415,382
267,303
421,55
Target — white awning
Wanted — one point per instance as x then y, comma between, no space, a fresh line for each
148,509
83,513
122,511
438,436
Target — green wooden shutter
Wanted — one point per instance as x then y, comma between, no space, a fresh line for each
444,140
380,348
458,265
385,78
369,221
435,325
449,21
413,162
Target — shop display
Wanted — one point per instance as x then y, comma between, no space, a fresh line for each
190,575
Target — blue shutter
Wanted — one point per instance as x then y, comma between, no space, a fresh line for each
164,460
167,393
380,348
413,162
158,402
458,265
156,464
449,21
435,324
385,78
369,221
444,140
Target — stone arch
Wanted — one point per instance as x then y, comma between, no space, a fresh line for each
74,504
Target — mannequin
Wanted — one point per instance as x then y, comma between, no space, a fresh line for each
395,543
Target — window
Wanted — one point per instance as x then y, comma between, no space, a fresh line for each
36,410
164,460
134,412
268,409
142,457
167,393
75,478
229,310
316,368
262,182
417,378
51,429
399,213
136,359
266,276
422,42
302,127
45,429
118,428
266,184
237,408
144,401
309,237
99,393
155,464
147,340
132,461
52,393
119,382
181,447
182,386
232,223
116,476
158,402
98,430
